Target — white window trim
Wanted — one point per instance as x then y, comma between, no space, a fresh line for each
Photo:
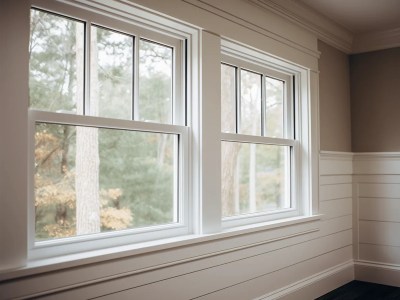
206,217
183,39
246,57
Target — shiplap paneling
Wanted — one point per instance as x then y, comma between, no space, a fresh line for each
335,191
379,190
377,197
378,273
379,209
380,253
288,257
379,233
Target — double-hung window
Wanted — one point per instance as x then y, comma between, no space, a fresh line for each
108,134
261,141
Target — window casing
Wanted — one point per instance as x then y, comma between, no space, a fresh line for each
120,118
186,125
262,138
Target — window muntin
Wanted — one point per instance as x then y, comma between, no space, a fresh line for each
259,155
148,156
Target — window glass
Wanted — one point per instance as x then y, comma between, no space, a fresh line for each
155,83
228,98
90,180
56,52
250,103
274,107
255,178
111,74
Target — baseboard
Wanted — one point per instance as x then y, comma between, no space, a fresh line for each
315,285
377,272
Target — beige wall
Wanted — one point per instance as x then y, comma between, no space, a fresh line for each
375,101
334,97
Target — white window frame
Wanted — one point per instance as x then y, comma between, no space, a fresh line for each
179,38
297,111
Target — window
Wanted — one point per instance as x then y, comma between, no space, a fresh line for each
261,138
123,150
108,133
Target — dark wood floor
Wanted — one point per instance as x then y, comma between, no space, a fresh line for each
359,290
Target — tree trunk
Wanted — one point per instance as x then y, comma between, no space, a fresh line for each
87,150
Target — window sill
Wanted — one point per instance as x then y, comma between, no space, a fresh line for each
68,261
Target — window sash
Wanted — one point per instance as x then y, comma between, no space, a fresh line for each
240,61
118,237
163,35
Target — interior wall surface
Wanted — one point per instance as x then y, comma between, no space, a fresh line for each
334,99
375,101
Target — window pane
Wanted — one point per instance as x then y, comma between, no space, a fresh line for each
250,103
155,83
255,178
274,108
228,98
90,180
56,52
111,72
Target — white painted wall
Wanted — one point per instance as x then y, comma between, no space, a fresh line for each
377,215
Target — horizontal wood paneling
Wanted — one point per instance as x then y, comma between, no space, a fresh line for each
379,209
379,190
262,262
378,273
377,163
336,208
272,281
219,277
377,181
380,253
335,191
336,163
379,233
335,179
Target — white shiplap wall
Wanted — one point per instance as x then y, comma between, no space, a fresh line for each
301,261
377,200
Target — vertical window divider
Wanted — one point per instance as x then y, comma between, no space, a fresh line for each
263,105
238,98
133,77
86,68
135,94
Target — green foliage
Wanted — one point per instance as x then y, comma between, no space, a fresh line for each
136,171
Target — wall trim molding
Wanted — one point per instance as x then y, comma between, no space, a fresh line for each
250,25
377,272
302,15
376,163
301,284
374,41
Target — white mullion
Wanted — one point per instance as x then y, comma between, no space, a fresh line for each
87,58
263,106
135,100
178,85
238,98
31,183
99,122
243,138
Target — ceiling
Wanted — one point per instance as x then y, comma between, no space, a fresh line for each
360,16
